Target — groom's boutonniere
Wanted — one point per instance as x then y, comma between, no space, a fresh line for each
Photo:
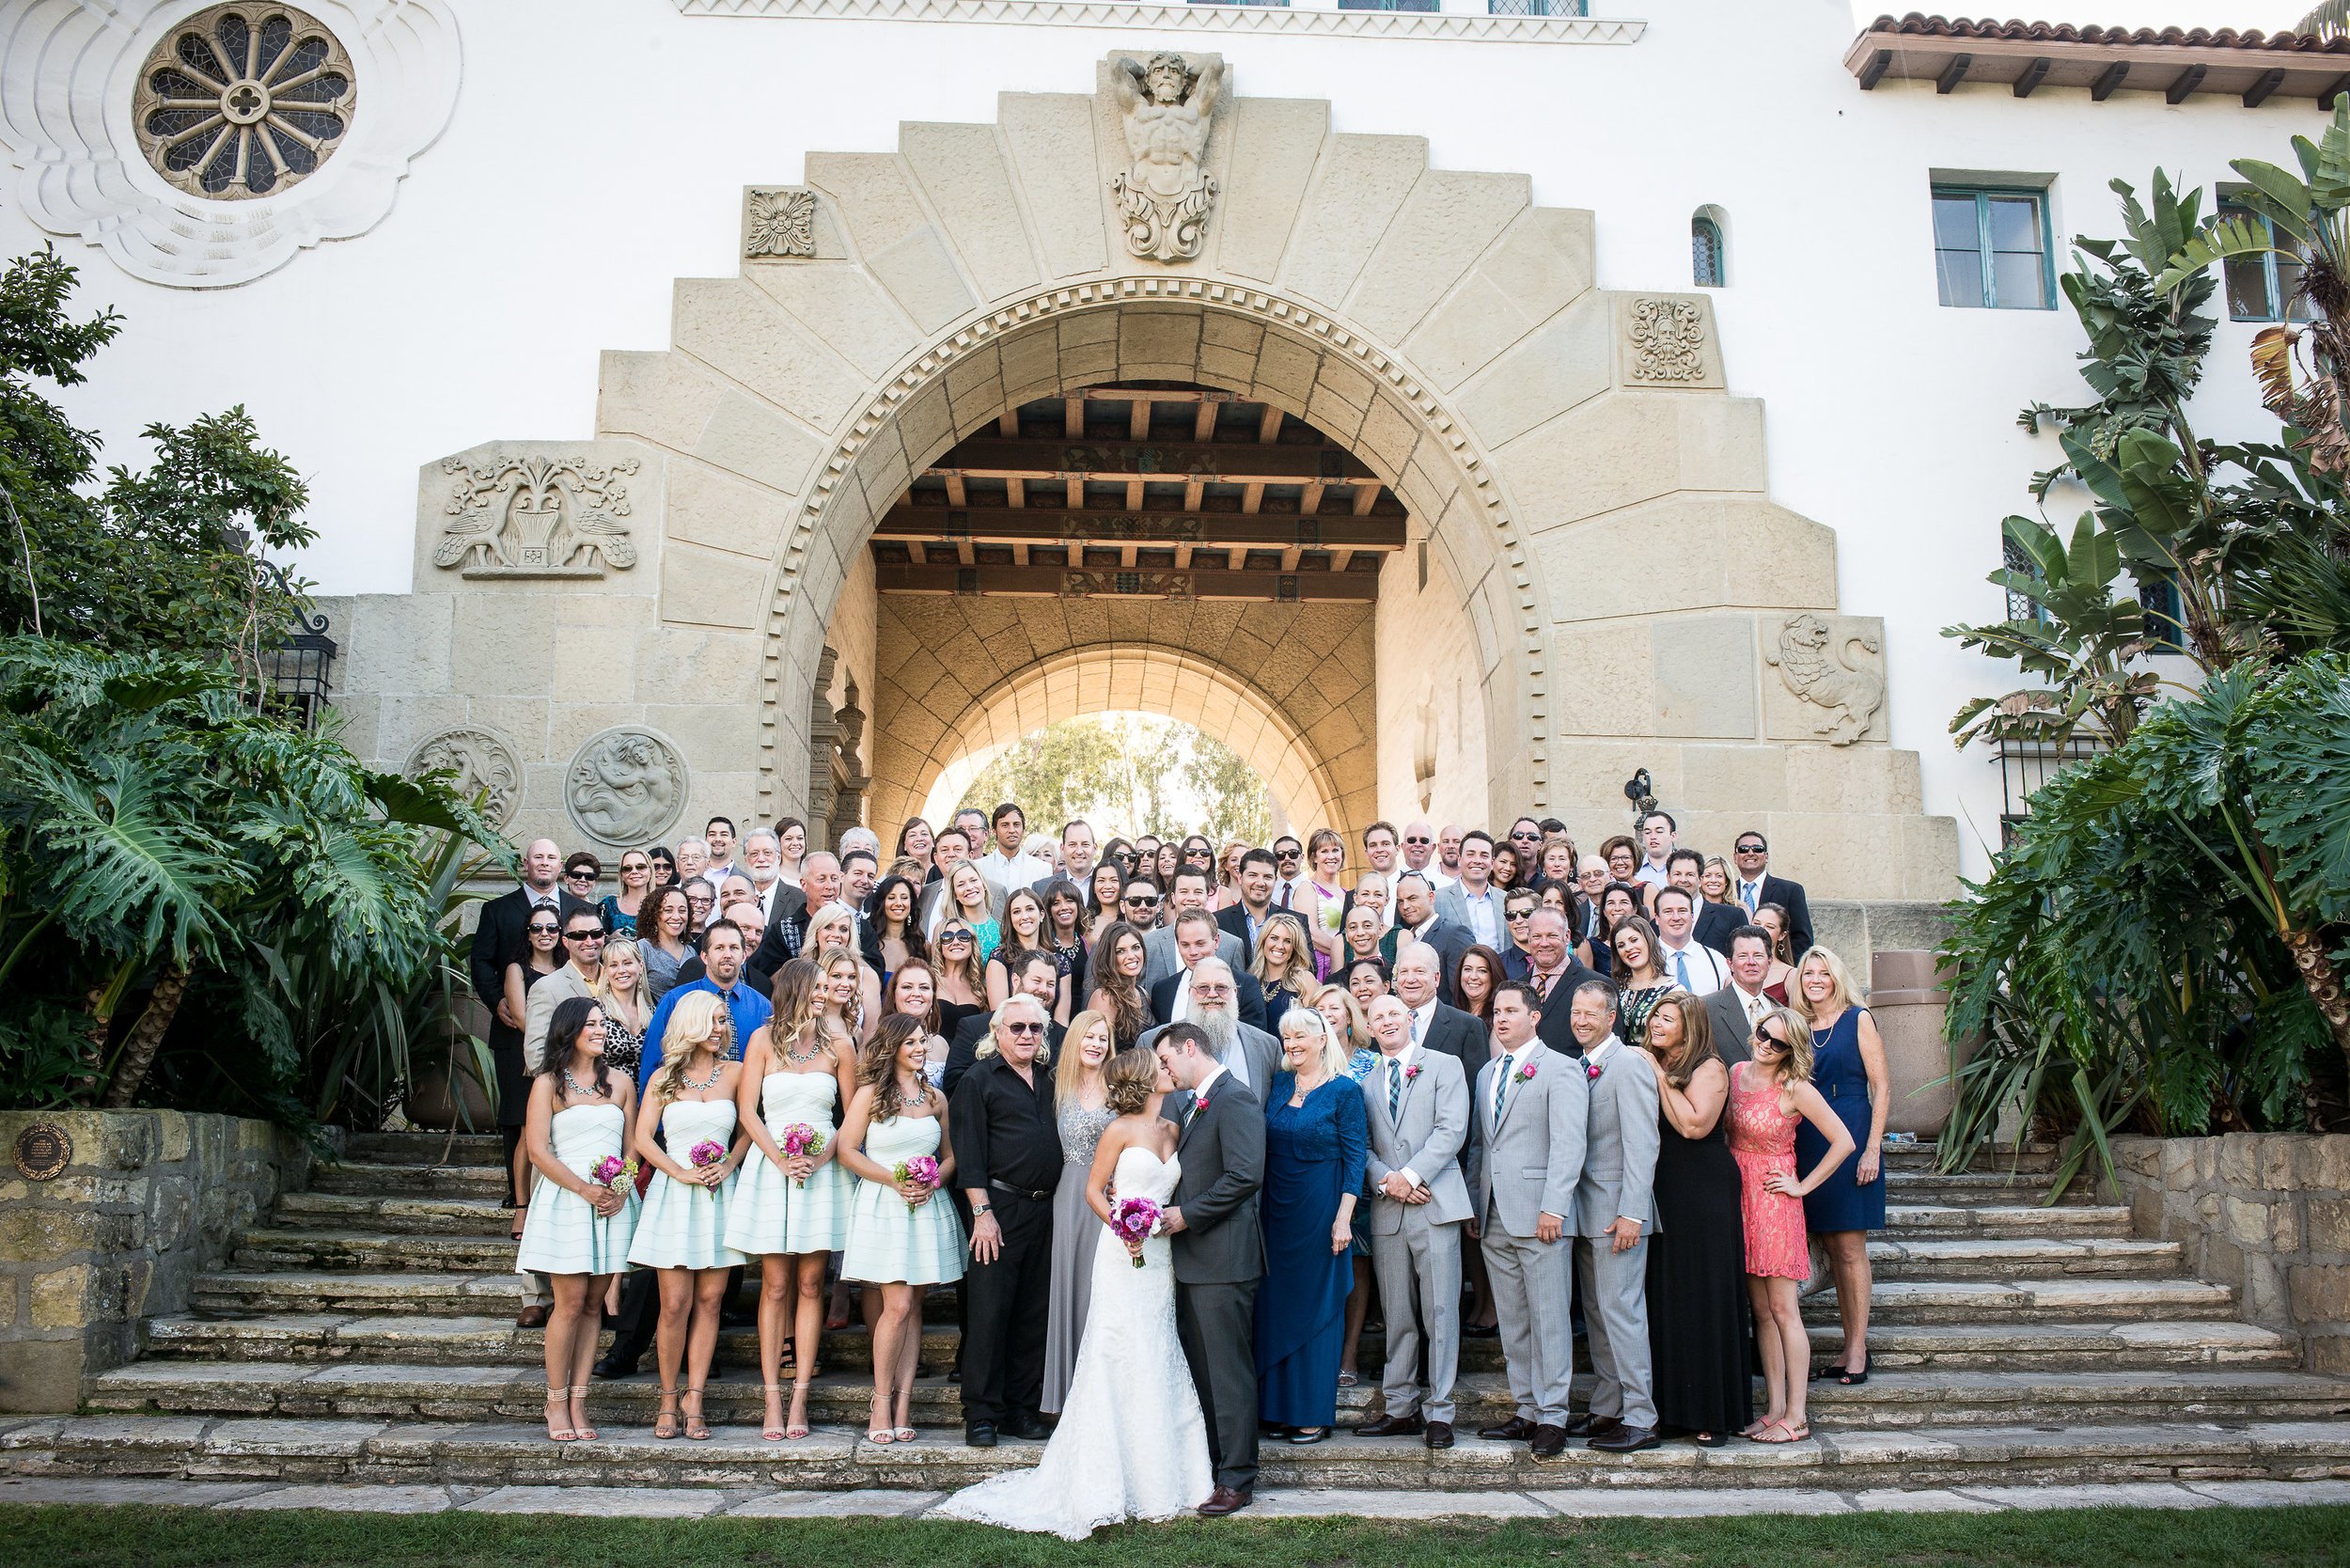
1590,1071
1410,1073
1199,1106
1526,1073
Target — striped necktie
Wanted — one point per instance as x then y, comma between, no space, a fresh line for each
1395,1088
1501,1083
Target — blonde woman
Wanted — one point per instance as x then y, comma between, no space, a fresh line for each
961,974
1080,1099
969,901
1284,965
831,931
791,1211
903,1236
1848,1068
1326,853
1316,1141
620,988
681,1229
1228,874
1714,880
1771,1097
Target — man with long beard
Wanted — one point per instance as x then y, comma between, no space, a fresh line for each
1245,1051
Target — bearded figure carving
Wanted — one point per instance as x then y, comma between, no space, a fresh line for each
1165,191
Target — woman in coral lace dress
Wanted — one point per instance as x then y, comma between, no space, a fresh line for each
1768,1097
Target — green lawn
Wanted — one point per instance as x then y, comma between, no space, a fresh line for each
2307,1537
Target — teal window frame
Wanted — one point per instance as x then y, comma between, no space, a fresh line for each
2274,287
1982,197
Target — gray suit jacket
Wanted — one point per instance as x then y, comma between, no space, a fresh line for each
1452,905
1262,1050
1222,1153
1620,1145
1531,1157
1427,1139
1733,1036
1160,959
539,1010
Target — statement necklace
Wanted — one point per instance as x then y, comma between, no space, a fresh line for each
708,1084
573,1086
791,1053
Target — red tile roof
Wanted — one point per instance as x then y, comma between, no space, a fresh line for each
1918,25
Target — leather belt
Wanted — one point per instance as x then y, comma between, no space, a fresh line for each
1028,1193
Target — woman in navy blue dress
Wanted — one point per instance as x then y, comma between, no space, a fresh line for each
1314,1168
1848,1068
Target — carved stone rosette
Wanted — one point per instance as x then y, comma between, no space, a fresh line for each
779,222
483,762
625,786
1666,340
536,517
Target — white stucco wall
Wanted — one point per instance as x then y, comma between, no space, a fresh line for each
598,150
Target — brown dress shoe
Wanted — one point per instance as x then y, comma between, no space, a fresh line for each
1439,1434
1549,1441
1589,1425
1516,1430
1391,1426
1223,1500
531,1317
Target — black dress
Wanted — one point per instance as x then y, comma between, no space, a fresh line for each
505,1053
1698,1313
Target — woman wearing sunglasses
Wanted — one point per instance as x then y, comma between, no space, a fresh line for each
621,909
541,956
961,974
1769,1097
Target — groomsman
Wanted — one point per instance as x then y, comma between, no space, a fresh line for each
1616,1207
1534,1106
1417,1105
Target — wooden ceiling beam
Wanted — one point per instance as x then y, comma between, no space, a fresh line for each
906,523
993,458
1138,420
1044,582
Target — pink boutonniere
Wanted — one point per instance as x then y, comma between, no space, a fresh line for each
1526,1073
1410,1073
1200,1106
1590,1071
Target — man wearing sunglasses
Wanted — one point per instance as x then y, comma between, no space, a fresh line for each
583,953
1753,885
499,939
1292,886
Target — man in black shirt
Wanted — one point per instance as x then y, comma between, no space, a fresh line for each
1008,1158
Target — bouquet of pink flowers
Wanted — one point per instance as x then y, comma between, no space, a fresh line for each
802,1141
706,1153
1135,1220
922,1168
615,1172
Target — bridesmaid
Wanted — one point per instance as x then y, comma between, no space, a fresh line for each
1081,1094
1849,1071
578,1232
1316,1139
1769,1097
791,1213
903,1236
1696,1298
681,1229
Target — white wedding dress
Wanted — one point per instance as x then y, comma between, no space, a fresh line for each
1132,1443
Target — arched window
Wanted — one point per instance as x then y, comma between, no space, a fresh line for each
1709,266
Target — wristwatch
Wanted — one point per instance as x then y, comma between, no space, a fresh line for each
980,1211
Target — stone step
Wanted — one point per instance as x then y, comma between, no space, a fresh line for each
513,1391
411,1181
2039,1347
397,1213
837,1458
478,1148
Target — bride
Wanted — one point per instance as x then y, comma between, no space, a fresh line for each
1132,1443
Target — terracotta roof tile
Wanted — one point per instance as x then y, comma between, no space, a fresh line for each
1918,25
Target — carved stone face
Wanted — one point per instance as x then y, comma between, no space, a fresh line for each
1165,80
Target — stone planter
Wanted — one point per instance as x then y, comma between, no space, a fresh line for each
2268,1213
148,1201
1909,1003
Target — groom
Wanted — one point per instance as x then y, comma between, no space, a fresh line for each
1218,1251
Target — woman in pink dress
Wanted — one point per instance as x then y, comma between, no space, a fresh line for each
1768,1097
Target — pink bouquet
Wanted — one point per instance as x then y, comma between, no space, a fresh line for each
802,1141
706,1153
922,1168
1135,1220
615,1172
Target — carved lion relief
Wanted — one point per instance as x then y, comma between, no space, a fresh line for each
536,517
625,786
1847,693
483,762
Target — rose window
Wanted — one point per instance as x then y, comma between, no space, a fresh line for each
243,101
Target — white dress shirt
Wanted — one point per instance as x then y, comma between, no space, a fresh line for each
1011,873
1695,967
1748,894
1485,915
1754,1003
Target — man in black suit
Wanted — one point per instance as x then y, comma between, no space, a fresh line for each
1197,936
1753,885
1435,1024
1554,974
497,939
1416,920
1245,919
819,881
1218,1251
1037,975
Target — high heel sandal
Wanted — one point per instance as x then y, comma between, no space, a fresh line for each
696,1429
793,1431
771,1433
905,1433
664,1418
879,1434
586,1433
561,1397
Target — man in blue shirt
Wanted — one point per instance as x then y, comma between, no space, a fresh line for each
722,965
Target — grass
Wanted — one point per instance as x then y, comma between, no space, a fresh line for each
137,1537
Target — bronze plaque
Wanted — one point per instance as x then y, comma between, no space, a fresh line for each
42,1152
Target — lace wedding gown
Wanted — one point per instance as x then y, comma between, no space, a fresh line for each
1132,1443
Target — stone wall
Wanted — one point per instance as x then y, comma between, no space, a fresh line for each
151,1200
2268,1213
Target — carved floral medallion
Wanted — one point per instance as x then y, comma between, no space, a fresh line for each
1668,341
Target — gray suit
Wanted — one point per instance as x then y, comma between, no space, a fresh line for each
1416,1247
1733,1035
1160,959
1218,1257
1528,1164
1262,1054
1452,905
1619,1179
538,1010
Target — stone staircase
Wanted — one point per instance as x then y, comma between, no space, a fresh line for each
367,1334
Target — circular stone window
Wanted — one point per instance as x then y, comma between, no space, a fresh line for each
243,101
